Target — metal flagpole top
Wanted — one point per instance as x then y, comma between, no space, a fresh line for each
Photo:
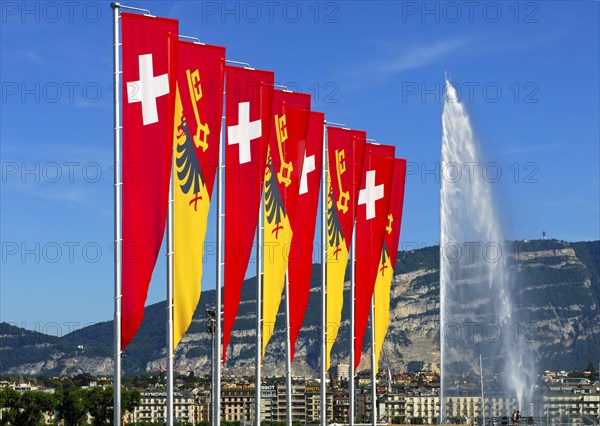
283,88
196,40
245,64
331,123
117,5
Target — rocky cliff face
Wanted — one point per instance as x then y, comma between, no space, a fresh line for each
557,291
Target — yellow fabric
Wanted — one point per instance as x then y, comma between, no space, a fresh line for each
336,271
277,240
383,286
337,261
188,241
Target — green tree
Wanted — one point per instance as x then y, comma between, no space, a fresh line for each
72,406
25,409
9,400
100,404
33,406
129,400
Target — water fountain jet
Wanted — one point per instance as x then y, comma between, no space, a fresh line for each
477,307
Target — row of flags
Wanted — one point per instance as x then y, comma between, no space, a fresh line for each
172,129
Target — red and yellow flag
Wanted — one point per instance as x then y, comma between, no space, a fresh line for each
197,131
345,158
371,218
388,257
287,145
149,52
249,96
301,251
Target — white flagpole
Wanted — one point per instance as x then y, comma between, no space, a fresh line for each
373,372
220,265
220,215
351,408
481,379
324,198
288,363
259,281
324,281
170,354
117,216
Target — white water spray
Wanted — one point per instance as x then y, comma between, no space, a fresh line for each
477,310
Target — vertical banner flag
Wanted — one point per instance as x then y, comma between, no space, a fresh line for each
388,257
149,52
371,219
301,251
346,150
285,156
197,130
248,97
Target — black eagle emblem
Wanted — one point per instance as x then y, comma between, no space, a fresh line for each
334,227
188,166
385,255
273,201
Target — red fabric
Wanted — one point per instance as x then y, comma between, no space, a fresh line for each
352,143
210,62
396,207
370,235
301,252
244,178
147,150
296,108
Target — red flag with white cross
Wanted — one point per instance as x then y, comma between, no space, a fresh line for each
371,219
248,99
301,251
149,52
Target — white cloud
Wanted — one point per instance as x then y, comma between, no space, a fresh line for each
420,56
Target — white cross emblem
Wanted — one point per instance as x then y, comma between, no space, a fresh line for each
370,194
244,132
147,89
307,167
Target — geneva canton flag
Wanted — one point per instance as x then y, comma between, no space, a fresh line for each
346,149
198,111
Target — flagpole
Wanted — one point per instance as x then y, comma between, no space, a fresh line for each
259,279
323,281
481,380
117,219
352,354
324,198
170,354
373,372
220,214
288,363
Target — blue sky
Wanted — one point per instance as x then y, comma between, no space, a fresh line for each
528,73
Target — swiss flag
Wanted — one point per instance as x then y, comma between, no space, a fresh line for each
149,52
249,97
301,251
371,219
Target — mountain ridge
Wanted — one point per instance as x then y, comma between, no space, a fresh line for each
558,291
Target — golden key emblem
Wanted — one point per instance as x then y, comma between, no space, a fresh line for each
388,228
285,169
340,167
202,132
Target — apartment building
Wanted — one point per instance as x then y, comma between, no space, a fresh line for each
153,407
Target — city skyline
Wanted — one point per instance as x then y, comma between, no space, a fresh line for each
527,74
